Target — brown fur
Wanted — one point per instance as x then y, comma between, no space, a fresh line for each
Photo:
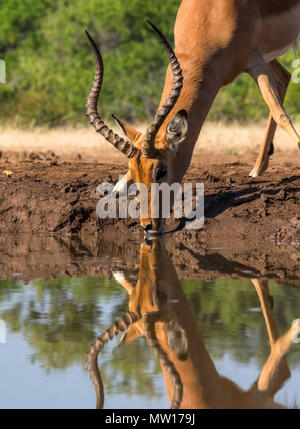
216,41
165,318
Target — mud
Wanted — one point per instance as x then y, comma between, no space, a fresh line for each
50,196
49,226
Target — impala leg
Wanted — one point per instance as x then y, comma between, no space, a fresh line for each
276,370
262,161
262,74
282,78
262,290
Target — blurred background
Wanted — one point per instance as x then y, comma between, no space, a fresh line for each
50,67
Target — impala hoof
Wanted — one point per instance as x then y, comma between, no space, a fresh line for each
259,171
254,173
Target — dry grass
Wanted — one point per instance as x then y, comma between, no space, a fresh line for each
65,142
236,138
215,138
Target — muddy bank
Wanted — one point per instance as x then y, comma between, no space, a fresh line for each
28,257
53,197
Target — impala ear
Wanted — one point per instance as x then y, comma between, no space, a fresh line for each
129,131
177,130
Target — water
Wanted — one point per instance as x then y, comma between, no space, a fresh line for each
51,323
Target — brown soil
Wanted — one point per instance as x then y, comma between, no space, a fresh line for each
28,257
49,196
250,218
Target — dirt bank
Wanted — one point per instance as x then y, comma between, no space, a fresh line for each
46,195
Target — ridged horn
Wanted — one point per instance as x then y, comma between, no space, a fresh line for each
124,146
148,147
92,359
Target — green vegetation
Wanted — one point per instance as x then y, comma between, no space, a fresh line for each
50,65
60,318
230,152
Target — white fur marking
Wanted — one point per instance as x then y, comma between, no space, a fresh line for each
119,276
121,187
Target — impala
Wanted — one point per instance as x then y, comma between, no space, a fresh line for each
159,310
215,41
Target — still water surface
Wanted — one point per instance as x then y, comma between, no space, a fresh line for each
50,325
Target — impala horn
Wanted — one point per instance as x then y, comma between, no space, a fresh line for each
124,146
92,359
148,147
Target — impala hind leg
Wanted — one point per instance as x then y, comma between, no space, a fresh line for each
282,79
276,370
262,74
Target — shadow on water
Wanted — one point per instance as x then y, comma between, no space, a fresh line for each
188,312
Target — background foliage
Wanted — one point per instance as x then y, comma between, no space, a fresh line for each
50,65
59,319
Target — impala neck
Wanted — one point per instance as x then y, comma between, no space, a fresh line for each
199,377
200,88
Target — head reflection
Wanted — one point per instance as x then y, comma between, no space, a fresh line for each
160,311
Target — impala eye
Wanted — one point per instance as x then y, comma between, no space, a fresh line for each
161,172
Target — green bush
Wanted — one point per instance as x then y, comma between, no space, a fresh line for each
50,65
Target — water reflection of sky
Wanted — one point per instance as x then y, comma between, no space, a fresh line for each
226,313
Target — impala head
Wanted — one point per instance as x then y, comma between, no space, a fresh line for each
152,156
